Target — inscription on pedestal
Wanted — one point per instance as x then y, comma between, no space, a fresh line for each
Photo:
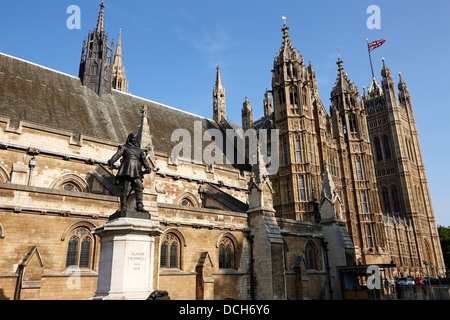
137,261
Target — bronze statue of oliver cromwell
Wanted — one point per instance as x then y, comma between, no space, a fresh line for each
130,172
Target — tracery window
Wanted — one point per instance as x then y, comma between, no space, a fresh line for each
310,257
364,202
369,236
387,205
378,154
395,199
387,147
68,186
170,252
80,249
352,120
226,254
359,169
302,188
187,203
286,158
298,150
94,69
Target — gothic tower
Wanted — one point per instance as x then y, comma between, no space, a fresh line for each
219,107
119,78
359,186
96,59
293,117
410,224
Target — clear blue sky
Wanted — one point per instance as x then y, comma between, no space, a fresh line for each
172,48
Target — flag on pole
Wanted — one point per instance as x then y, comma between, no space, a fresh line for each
376,44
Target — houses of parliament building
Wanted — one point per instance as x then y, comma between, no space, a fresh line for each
351,190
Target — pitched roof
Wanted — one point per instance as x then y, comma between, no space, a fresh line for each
48,98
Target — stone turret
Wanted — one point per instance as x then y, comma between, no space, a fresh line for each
96,59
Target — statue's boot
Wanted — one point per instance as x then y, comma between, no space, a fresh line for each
140,202
123,206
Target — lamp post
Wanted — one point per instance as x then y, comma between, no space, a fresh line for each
428,275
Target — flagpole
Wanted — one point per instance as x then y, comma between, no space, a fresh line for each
370,58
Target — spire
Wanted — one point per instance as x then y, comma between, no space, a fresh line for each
385,72
387,84
260,175
342,83
144,136
401,84
219,84
340,63
329,190
219,106
259,169
119,78
101,19
287,50
96,59
403,94
118,54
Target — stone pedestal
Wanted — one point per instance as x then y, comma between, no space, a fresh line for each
126,259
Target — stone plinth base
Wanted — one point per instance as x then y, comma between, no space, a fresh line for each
126,259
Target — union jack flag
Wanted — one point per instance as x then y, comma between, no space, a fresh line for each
376,44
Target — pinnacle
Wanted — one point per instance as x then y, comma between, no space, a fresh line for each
219,84
101,20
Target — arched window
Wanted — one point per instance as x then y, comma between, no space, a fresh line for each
387,205
344,126
395,199
164,258
288,190
94,69
170,252
310,257
310,151
364,202
186,203
286,156
68,186
226,254
302,188
408,148
97,50
369,236
378,154
70,182
387,147
79,249
298,150
352,120
187,199
174,255
412,152
359,169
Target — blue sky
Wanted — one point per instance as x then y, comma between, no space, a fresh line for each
172,48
